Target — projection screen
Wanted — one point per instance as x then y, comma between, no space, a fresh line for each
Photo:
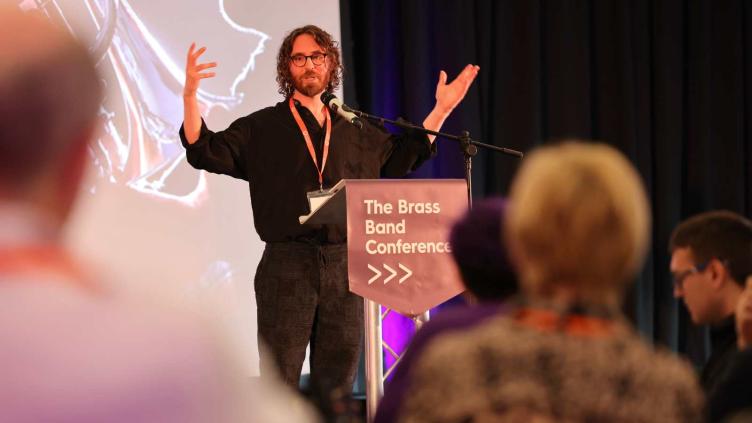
148,222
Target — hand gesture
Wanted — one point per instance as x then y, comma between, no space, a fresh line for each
448,96
194,71
744,317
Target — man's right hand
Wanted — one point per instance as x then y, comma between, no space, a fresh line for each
194,71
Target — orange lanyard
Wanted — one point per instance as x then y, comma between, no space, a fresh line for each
309,143
43,260
550,321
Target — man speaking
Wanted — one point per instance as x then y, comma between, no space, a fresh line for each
284,151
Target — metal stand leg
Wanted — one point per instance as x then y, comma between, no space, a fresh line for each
374,354
374,358
421,319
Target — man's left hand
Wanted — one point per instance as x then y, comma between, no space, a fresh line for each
448,96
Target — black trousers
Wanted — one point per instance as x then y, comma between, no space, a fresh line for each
302,295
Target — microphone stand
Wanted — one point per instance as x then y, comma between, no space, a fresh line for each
468,145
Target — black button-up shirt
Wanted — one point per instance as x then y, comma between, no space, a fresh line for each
267,149
723,347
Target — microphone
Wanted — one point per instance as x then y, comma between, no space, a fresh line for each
340,108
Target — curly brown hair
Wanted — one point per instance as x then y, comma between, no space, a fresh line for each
323,39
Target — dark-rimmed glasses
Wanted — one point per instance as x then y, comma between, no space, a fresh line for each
681,276
299,60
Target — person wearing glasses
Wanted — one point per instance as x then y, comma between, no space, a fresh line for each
285,151
710,260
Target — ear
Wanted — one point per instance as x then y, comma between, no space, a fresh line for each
718,273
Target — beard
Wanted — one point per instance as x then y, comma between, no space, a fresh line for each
311,87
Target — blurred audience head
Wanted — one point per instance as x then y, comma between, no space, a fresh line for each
578,223
478,249
710,260
49,97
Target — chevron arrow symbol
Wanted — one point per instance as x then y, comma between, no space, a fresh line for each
407,271
376,275
393,274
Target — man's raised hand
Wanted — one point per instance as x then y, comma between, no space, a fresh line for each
448,96
194,72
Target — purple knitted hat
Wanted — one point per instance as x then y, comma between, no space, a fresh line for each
477,247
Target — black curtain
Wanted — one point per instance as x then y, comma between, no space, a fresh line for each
668,82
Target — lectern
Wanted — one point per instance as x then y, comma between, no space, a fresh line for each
397,249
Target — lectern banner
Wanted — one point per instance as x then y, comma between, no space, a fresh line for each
398,241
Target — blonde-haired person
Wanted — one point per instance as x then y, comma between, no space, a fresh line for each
578,227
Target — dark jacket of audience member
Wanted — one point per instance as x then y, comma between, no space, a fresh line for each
732,394
732,399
